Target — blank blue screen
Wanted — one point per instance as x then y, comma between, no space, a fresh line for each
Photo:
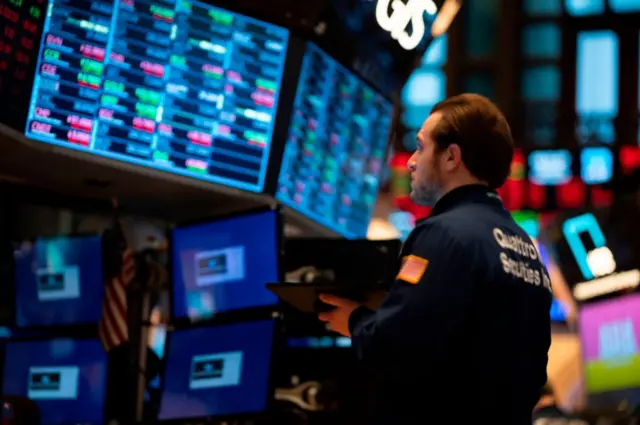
217,371
436,53
224,265
597,73
541,83
480,83
183,86
541,41
336,147
624,6
482,22
542,7
66,378
584,7
59,281
596,165
425,87
550,167
558,312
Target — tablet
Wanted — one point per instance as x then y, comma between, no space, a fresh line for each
304,296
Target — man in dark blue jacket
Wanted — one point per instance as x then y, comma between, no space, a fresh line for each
462,337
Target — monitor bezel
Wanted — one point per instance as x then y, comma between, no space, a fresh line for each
226,316
277,343
73,329
286,104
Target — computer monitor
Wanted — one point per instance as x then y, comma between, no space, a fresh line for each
336,147
183,87
66,378
218,371
59,281
224,264
610,336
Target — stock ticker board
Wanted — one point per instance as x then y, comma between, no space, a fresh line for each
175,85
20,33
336,146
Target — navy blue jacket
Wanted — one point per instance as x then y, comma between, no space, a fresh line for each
464,332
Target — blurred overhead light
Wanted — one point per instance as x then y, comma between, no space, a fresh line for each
445,17
601,261
380,229
606,285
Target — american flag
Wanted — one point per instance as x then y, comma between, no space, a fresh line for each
113,327
413,269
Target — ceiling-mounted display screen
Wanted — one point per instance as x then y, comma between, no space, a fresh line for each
179,86
336,147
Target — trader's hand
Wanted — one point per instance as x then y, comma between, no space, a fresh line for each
338,318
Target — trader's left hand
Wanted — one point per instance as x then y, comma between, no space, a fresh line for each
338,318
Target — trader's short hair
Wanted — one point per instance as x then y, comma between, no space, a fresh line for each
475,124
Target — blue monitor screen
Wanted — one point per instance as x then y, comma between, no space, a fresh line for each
180,86
550,167
59,281
596,165
336,149
217,371
65,378
223,265
558,311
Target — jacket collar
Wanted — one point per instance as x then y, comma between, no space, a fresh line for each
468,194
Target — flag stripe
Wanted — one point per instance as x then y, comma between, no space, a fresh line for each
113,328
105,335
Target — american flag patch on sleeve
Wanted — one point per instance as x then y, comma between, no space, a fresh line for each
412,270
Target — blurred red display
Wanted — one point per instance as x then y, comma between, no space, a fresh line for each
629,158
600,197
401,186
537,196
571,195
514,191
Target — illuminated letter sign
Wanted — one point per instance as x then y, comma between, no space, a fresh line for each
572,229
403,14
